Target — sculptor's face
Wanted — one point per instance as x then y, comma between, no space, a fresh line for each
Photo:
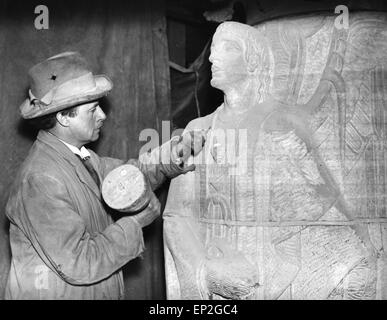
85,126
228,60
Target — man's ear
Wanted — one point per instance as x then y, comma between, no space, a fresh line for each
63,120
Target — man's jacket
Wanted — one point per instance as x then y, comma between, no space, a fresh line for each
64,244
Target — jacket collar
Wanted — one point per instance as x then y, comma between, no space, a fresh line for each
82,152
65,153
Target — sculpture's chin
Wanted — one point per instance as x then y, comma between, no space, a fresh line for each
216,83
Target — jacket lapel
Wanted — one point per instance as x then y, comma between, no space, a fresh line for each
65,153
85,177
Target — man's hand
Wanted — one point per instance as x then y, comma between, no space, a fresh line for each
150,213
190,143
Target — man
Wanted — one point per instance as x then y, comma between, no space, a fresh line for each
249,231
64,244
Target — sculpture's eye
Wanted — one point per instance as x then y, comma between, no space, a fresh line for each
232,46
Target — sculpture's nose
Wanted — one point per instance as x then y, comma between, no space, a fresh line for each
212,54
211,58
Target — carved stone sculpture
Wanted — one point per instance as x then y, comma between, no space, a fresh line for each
288,199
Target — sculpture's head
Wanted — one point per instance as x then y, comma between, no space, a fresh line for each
239,53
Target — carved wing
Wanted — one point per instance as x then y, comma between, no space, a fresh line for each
335,78
295,179
365,128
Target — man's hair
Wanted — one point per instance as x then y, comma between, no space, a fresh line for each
48,121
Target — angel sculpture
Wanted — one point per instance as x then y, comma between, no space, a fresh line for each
272,210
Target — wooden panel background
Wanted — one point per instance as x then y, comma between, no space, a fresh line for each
125,40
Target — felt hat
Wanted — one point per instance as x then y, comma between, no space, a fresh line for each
61,82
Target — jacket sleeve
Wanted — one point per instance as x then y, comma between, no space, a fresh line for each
156,165
62,240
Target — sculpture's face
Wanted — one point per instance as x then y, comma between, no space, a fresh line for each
229,65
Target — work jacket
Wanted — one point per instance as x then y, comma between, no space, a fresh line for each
64,244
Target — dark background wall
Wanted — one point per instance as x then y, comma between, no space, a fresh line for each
123,39
127,40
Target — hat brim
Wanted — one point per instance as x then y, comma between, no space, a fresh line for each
103,86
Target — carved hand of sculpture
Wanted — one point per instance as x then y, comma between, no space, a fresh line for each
228,273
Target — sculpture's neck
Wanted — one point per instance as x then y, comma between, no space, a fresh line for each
240,99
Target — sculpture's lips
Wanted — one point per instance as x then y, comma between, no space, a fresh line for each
215,69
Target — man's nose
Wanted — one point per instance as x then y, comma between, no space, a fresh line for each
101,114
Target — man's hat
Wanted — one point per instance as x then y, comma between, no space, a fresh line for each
60,82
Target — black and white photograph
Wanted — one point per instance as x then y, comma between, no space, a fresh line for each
219,153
